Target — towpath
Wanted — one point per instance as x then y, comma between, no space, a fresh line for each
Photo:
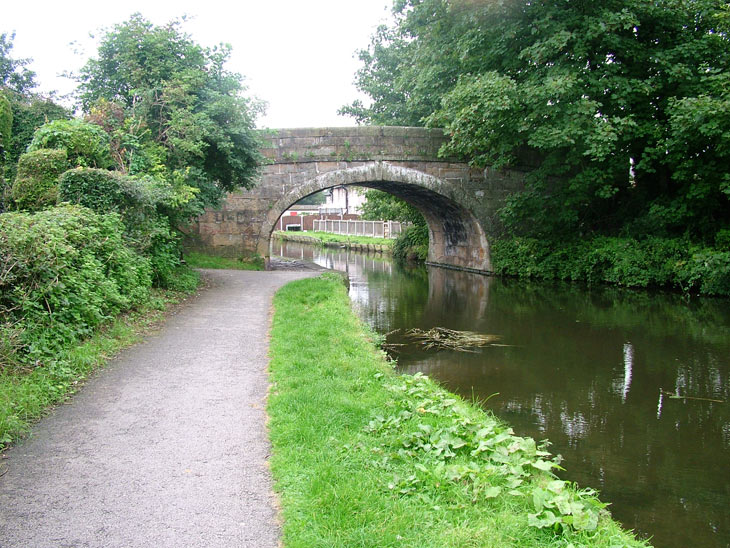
166,446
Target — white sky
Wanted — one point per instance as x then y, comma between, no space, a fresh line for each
298,56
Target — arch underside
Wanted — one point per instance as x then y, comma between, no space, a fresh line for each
456,237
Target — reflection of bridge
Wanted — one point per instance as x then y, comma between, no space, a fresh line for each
458,202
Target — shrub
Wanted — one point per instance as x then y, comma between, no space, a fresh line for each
652,262
63,271
137,200
412,243
85,144
105,191
36,183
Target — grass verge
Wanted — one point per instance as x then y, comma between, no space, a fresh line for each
200,260
364,457
326,237
25,395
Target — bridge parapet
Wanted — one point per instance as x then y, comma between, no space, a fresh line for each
352,144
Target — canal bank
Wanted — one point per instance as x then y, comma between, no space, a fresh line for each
590,369
365,457
338,241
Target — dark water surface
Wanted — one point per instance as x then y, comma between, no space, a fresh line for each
585,368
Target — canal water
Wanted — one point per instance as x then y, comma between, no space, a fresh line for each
593,370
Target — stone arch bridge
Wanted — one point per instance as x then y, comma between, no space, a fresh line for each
458,202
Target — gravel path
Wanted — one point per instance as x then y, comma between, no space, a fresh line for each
167,446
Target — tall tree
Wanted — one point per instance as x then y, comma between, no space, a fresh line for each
624,102
172,108
13,72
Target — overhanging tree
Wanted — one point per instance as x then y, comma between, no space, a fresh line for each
626,102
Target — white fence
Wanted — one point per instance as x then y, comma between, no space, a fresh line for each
378,229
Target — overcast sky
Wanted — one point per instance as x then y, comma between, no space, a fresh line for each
298,56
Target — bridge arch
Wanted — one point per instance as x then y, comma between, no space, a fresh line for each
456,236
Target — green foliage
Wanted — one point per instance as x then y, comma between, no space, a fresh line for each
324,238
85,144
651,262
622,105
36,184
412,244
381,206
6,128
28,110
172,110
63,272
29,113
13,74
141,203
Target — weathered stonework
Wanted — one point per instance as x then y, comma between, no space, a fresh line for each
458,202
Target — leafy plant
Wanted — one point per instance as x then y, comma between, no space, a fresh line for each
86,144
650,262
412,243
36,184
63,271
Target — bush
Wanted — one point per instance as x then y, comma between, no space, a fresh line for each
85,144
652,262
137,200
36,184
134,198
412,243
64,271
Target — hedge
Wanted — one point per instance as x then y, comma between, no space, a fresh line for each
63,272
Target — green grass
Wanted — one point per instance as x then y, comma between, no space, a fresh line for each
27,394
200,260
326,237
363,457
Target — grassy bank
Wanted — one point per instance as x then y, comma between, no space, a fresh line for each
201,260
363,457
343,239
26,394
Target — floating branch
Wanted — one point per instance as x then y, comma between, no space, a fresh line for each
440,338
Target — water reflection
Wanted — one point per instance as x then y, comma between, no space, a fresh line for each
584,368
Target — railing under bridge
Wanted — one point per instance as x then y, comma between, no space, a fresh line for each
377,229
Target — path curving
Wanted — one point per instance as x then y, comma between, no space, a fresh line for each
167,446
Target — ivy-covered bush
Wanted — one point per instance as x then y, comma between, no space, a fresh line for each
651,262
63,271
141,203
36,183
85,144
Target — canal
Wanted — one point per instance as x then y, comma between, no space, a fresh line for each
596,371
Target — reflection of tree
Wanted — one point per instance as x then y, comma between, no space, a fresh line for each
661,314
